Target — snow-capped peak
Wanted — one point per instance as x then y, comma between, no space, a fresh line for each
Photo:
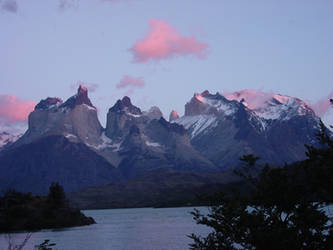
204,110
265,105
270,106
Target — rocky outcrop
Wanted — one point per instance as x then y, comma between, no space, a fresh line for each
121,117
153,113
173,115
76,119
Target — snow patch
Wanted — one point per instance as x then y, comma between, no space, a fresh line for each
197,123
134,115
89,107
220,105
106,143
152,144
70,136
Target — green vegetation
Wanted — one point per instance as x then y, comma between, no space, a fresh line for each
23,211
156,188
284,209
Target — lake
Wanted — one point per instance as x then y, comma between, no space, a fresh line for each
136,228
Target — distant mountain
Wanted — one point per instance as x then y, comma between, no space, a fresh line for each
271,126
65,141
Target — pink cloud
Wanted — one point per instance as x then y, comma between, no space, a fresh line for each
163,42
322,106
129,92
13,109
129,81
92,87
253,99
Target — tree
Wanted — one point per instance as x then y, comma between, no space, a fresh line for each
284,209
45,245
56,197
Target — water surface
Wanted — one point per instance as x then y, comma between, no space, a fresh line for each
139,228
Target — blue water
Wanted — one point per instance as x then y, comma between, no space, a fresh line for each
137,228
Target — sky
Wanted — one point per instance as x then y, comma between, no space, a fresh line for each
161,52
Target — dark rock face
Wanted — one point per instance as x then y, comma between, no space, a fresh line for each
48,102
125,105
32,167
121,117
80,98
195,106
160,144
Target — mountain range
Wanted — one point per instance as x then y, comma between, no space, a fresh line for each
65,141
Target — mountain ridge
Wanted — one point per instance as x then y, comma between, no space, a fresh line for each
213,133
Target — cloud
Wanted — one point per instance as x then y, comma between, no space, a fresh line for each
129,92
67,4
163,42
129,81
253,99
13,109
322,106
92,87
10,6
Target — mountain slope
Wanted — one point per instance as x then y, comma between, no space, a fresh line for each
32,167
146,143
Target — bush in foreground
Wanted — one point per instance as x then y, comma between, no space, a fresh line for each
283,210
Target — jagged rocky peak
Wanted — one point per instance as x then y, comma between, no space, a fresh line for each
205,93
205,103
121,117
48,103
153,113
125,105
81,97
172,127
76,119
173,116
